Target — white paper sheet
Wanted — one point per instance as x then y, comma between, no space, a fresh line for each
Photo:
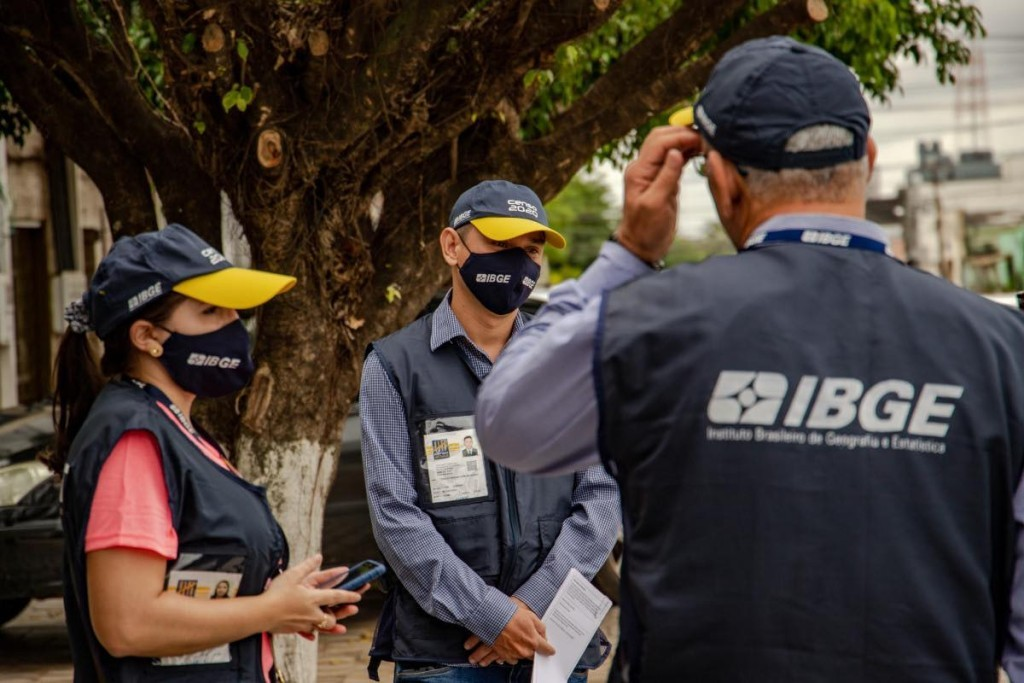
571,621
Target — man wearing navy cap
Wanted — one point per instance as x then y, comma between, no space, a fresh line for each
819,449
478,550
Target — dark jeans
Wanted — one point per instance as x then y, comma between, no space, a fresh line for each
495,673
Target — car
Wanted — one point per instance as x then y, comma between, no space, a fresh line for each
32,545
30,535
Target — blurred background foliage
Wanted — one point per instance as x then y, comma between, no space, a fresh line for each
586,213
869,35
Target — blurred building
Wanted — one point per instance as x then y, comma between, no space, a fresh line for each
53,232
888,212
963,218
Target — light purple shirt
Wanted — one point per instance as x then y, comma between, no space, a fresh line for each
555,430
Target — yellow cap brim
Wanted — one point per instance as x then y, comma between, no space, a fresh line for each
501,228
682,117
236,287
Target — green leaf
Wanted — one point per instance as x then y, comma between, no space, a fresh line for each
243,49
245,95
188,43
230,99
199,125
393,293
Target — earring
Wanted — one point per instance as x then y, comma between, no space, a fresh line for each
156,351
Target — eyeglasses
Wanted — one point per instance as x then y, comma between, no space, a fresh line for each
700,164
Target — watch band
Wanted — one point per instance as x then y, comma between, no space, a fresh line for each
654,265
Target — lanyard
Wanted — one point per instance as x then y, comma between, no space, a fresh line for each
161,397
197,436
824,238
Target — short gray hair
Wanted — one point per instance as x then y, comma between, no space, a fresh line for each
832,184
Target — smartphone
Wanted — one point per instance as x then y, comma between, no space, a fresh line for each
358,576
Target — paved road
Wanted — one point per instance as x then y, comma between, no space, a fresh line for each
34,647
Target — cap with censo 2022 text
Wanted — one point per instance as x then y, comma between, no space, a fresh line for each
141,269
501,210
763,91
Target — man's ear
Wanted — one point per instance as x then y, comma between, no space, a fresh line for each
872,155
450,243
723,181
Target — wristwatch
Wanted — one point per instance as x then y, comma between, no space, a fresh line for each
654,265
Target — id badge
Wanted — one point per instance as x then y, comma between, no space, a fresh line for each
204,577
454,461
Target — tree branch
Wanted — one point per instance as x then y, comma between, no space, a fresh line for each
111,98
402,55
460,81
660,52
646,81
69,122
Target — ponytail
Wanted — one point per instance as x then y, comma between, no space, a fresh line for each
78,376
77,382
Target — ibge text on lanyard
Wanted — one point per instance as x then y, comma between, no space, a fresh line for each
824,238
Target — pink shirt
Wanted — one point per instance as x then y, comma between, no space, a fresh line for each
130,507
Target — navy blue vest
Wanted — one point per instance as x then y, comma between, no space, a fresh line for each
216,514
817,450
504,537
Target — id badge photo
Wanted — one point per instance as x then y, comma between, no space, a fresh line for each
204,577
453,460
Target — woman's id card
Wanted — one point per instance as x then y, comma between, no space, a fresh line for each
204,577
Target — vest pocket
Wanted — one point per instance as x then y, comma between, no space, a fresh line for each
549,528
475,540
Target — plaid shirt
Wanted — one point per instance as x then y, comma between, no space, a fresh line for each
438,580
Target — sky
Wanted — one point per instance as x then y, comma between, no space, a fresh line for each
924,110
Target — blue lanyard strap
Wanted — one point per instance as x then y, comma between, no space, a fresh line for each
161,397
824,238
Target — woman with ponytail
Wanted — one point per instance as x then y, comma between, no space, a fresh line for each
154,516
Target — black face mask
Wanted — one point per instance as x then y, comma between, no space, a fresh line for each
212,364
501,280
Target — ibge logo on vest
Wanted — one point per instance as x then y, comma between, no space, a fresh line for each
837,412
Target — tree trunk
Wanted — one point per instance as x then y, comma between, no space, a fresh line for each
293,412
299,475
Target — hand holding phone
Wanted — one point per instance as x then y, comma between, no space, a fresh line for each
356,577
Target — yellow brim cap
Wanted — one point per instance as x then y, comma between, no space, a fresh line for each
681,117
501,228
236,287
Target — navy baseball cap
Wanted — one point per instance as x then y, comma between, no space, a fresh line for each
141,269
765,90
502,210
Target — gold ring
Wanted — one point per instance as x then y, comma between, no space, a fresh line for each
325,623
